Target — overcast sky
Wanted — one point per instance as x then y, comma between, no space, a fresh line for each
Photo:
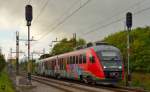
90,19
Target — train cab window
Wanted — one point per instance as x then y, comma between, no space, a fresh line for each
77,60
80,59
84,58
92,59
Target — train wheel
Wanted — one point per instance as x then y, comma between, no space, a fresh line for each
90,80
81,78
58,76
44,74
85,80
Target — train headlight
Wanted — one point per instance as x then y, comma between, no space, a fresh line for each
105,67
120,67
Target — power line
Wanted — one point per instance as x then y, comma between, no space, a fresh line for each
115,21
109,18
103,26
41,11
69,9
60,16
140,11
65,19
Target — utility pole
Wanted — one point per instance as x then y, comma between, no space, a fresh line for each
129,25
37,53
43,50
17,53
11,55
55,40
29,64
34,52
17,58
0,50
74,38
28,14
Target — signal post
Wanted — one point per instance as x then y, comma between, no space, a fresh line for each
129,25
28,15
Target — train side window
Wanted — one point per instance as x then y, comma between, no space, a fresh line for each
73,59
77,60
70,59
80,59
92,59
59,63
63,60
84,58
62,63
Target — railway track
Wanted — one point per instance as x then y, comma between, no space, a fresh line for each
71,86
67,86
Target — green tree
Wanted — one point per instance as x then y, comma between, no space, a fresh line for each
140,47
66,46
2,62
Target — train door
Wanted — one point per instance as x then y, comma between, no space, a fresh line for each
57,68
92,66
53,67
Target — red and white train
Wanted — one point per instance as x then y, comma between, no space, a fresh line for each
95,63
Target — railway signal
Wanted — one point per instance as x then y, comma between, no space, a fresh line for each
29,17
129,20
28,14
129,25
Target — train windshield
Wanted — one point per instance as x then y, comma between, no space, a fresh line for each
110,59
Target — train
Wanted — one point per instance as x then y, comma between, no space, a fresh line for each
93,63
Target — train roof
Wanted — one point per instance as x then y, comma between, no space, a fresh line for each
105,47
99,47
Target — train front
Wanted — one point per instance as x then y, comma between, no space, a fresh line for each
111,61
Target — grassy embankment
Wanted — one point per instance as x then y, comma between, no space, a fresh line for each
5,82
141,80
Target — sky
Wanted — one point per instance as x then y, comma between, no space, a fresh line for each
91,20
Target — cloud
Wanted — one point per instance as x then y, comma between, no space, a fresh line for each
93,15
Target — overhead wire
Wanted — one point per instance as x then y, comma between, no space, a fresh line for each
112,22
61,17
58,19
65,19
102,26
41,11
109,18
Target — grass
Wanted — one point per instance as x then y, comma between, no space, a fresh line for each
141,80
5,82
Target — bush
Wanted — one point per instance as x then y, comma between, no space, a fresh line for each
2,62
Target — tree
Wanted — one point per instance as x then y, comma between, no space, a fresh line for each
2,62
66,45
140,47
